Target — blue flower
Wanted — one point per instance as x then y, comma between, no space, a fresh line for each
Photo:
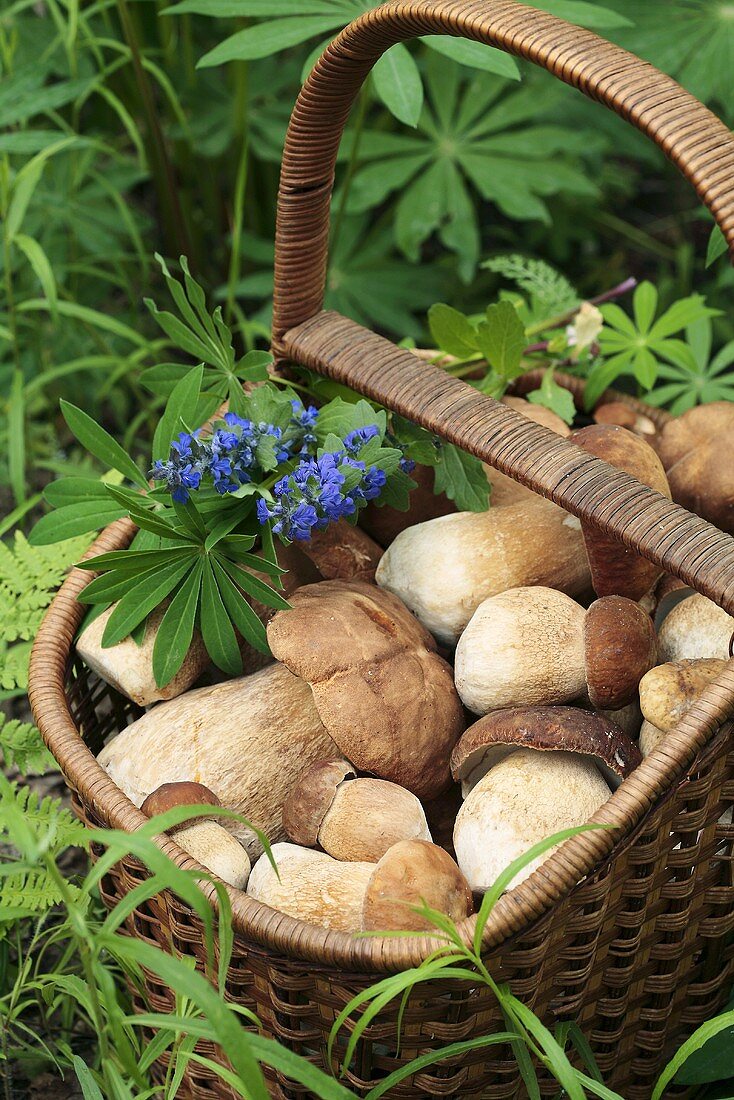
407,465
178,478
356,439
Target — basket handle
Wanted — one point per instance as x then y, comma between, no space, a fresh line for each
689,134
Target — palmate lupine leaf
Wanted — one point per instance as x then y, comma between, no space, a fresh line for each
696,377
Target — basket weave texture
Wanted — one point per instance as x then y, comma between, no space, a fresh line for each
628,932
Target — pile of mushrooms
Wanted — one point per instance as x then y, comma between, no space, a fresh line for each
350,750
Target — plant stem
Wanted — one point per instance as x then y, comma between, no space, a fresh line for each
240,123
352,165
163,175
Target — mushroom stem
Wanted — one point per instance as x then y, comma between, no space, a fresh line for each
215,848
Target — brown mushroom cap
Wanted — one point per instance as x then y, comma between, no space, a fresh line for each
624,416
305,807
385,523
697,425
703,480
615,568
411,872
666,692
380,689
620,646
546,729
168,795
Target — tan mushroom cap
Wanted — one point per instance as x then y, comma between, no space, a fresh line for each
695,426
305,807
615,568
185,793
703,480
368,816
666,692
411,872
624,416
696,627
543,729
620,645
381,690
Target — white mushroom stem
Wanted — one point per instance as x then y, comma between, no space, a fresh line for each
216,849
312,886
444,568
696,627
248,740
528,796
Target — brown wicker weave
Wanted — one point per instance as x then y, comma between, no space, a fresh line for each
641,951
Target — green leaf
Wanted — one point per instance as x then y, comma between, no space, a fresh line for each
136,561
242,9
73,519
87,316
583,14
397,82
90,1088
717,246
101,444
554,397
462,478
265,39
501,339
38,260
709,1031
75,490
451,331
645,304
240,612
16,429
216,629
474,54
142,598
180,411
681,314
176,629
253,585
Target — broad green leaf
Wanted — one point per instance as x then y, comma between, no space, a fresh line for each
584,14
452,331
216,629
700,1038
474,54
39,261
501,339
176,629
554,397
265,39
681,314
253,585
87,1083
717,246
398,83
181,335
462,478
74,519
142,598
180,411
101,444
25,184
645,368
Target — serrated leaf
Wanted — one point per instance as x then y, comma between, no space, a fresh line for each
451,331
501,339
462,478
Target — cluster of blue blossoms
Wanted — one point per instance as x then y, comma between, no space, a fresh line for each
316,492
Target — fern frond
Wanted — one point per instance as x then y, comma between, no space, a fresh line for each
52,825
550,292
21,747
29,576
29,893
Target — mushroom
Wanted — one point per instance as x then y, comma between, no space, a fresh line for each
538,646
682,434
543,729
381,690
666,693
625,416
445,568
384,523
696,627
203,838
410,873
531,772
247,739
703,479
312,886
616,569
350,818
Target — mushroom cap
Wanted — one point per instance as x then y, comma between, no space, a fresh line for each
624,416
666,692
620,645
305,807
312,886
367,817
186,793
525,798
696,627
697,425
215,849
381,690
616,569
411,872
543,729
523,646
342,552
443,569
650,737
703,480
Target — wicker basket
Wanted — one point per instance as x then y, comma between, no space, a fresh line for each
640,953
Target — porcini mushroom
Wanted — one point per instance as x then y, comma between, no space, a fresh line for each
696,627
625,416
616,569
410,873
531,772
443,569
351,819
202,837
703,479
538,646
312,886
666,693
381,690
682,434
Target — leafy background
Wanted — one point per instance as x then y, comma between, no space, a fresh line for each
129,127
